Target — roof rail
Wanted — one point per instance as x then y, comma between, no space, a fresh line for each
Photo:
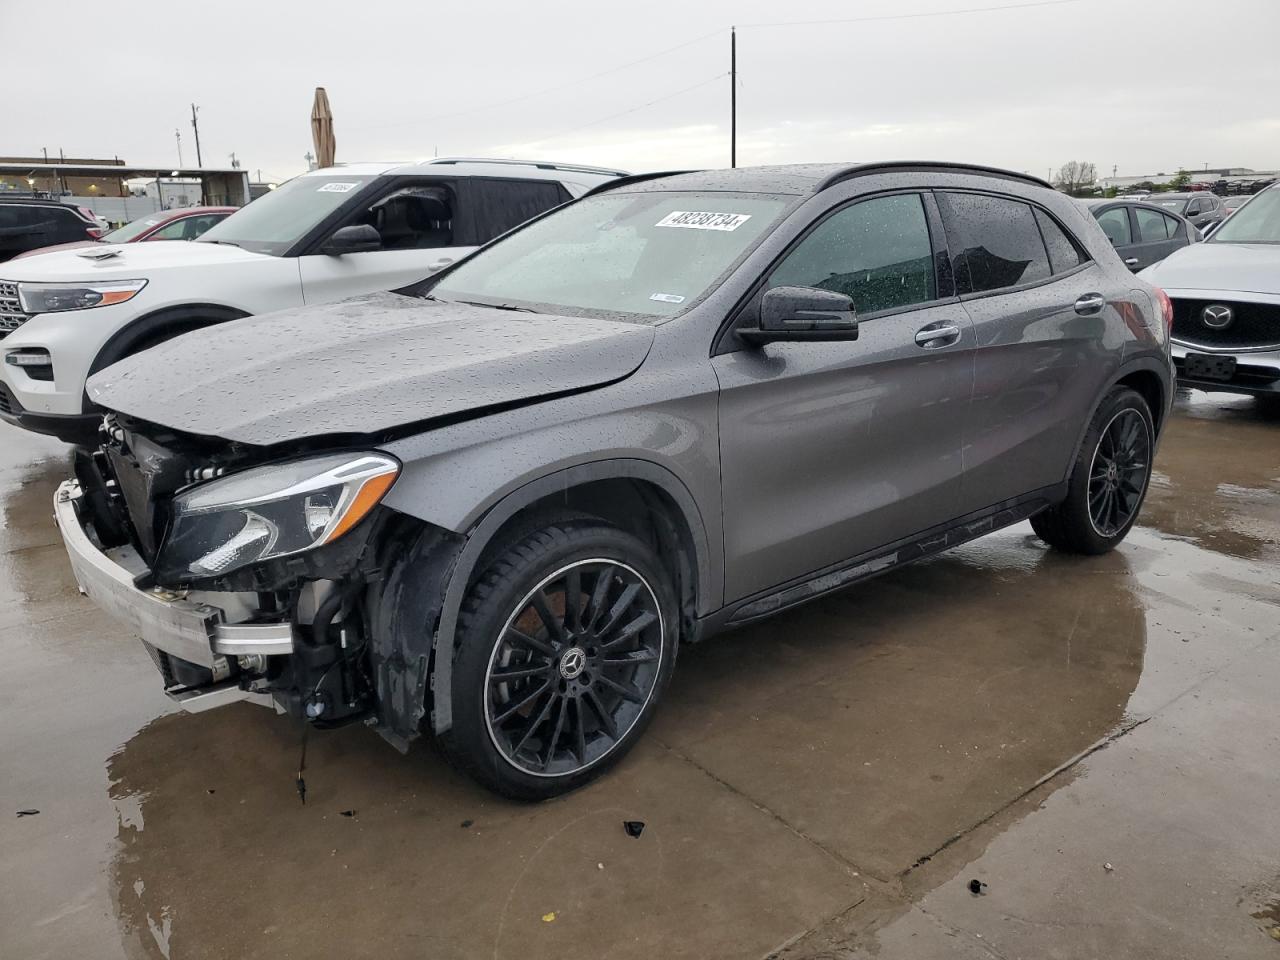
540,164
635,178
866,169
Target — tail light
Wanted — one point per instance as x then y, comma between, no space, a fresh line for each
1166,308
94,233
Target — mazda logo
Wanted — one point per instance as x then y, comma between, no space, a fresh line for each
1217,316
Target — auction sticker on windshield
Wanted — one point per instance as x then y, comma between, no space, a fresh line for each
699,220
337,187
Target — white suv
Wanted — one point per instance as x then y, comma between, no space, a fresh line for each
326,235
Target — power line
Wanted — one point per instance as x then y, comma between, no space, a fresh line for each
539,93
623,113
923,15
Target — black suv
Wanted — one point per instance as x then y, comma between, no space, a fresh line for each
28,224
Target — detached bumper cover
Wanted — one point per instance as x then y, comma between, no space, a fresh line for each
184,628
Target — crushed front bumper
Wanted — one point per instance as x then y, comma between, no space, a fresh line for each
169,624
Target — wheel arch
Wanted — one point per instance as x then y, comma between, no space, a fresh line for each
618,490
144,330
1144,375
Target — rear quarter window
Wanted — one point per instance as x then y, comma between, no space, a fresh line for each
1064,253
995,242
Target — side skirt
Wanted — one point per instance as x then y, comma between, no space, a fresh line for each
874,562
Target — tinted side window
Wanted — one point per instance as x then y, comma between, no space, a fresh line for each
997,243
499,205
877,252
1152,225
1064,255
1172,225
1115,224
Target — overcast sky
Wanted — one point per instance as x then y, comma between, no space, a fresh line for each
1142,85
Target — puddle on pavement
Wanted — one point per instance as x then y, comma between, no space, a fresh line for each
880,722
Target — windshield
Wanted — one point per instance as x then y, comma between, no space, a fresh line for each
1176,204
132,230
275,222
1257,222
645,254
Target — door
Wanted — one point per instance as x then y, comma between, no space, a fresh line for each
1156,236
422,229
426,226
829,450
1117,225
1040,310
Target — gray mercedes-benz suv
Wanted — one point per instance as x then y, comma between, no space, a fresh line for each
492,507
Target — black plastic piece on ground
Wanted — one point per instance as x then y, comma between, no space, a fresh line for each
633,827
976,887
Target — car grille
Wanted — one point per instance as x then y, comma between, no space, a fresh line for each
8,406
1252,324
11,315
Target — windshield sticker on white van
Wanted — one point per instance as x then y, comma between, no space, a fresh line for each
337,187
667,297
698,220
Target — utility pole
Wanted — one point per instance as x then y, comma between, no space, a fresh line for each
177,136
733,96
196,128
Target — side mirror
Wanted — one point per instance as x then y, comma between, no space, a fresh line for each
803,313
359,238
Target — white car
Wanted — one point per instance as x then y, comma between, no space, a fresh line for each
327,235
1226,302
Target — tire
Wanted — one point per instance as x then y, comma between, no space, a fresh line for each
1108,482
578,690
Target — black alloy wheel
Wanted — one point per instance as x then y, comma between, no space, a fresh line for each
1118,474
574,667
1108,480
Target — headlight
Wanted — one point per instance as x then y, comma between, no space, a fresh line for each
270,512
57,297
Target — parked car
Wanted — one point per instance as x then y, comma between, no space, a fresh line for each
27,224
1142,233
491,506
1232,204
333,233
1226,302
185,223
1202,209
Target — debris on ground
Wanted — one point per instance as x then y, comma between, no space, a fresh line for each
549,917
633,827
466,823
347,813
1107,867
32,812
976,887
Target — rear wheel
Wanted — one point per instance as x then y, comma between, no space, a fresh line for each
565,644
1109,480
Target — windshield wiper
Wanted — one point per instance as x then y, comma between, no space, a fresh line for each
495,306
229,243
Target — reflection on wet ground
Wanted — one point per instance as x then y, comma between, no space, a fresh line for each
823,784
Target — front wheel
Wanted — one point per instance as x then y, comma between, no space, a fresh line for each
565,644
1109,480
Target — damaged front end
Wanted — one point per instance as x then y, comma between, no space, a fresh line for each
272,575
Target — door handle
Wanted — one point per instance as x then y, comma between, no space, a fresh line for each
439,264
937,336
1131,262
1090,304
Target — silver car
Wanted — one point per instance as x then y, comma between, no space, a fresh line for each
491,507
1226,302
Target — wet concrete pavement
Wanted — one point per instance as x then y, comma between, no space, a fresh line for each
825,784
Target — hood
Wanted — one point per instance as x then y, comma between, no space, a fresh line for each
1220,267
363,366
131,261
74,244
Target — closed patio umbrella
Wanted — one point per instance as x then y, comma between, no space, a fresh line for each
322,129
